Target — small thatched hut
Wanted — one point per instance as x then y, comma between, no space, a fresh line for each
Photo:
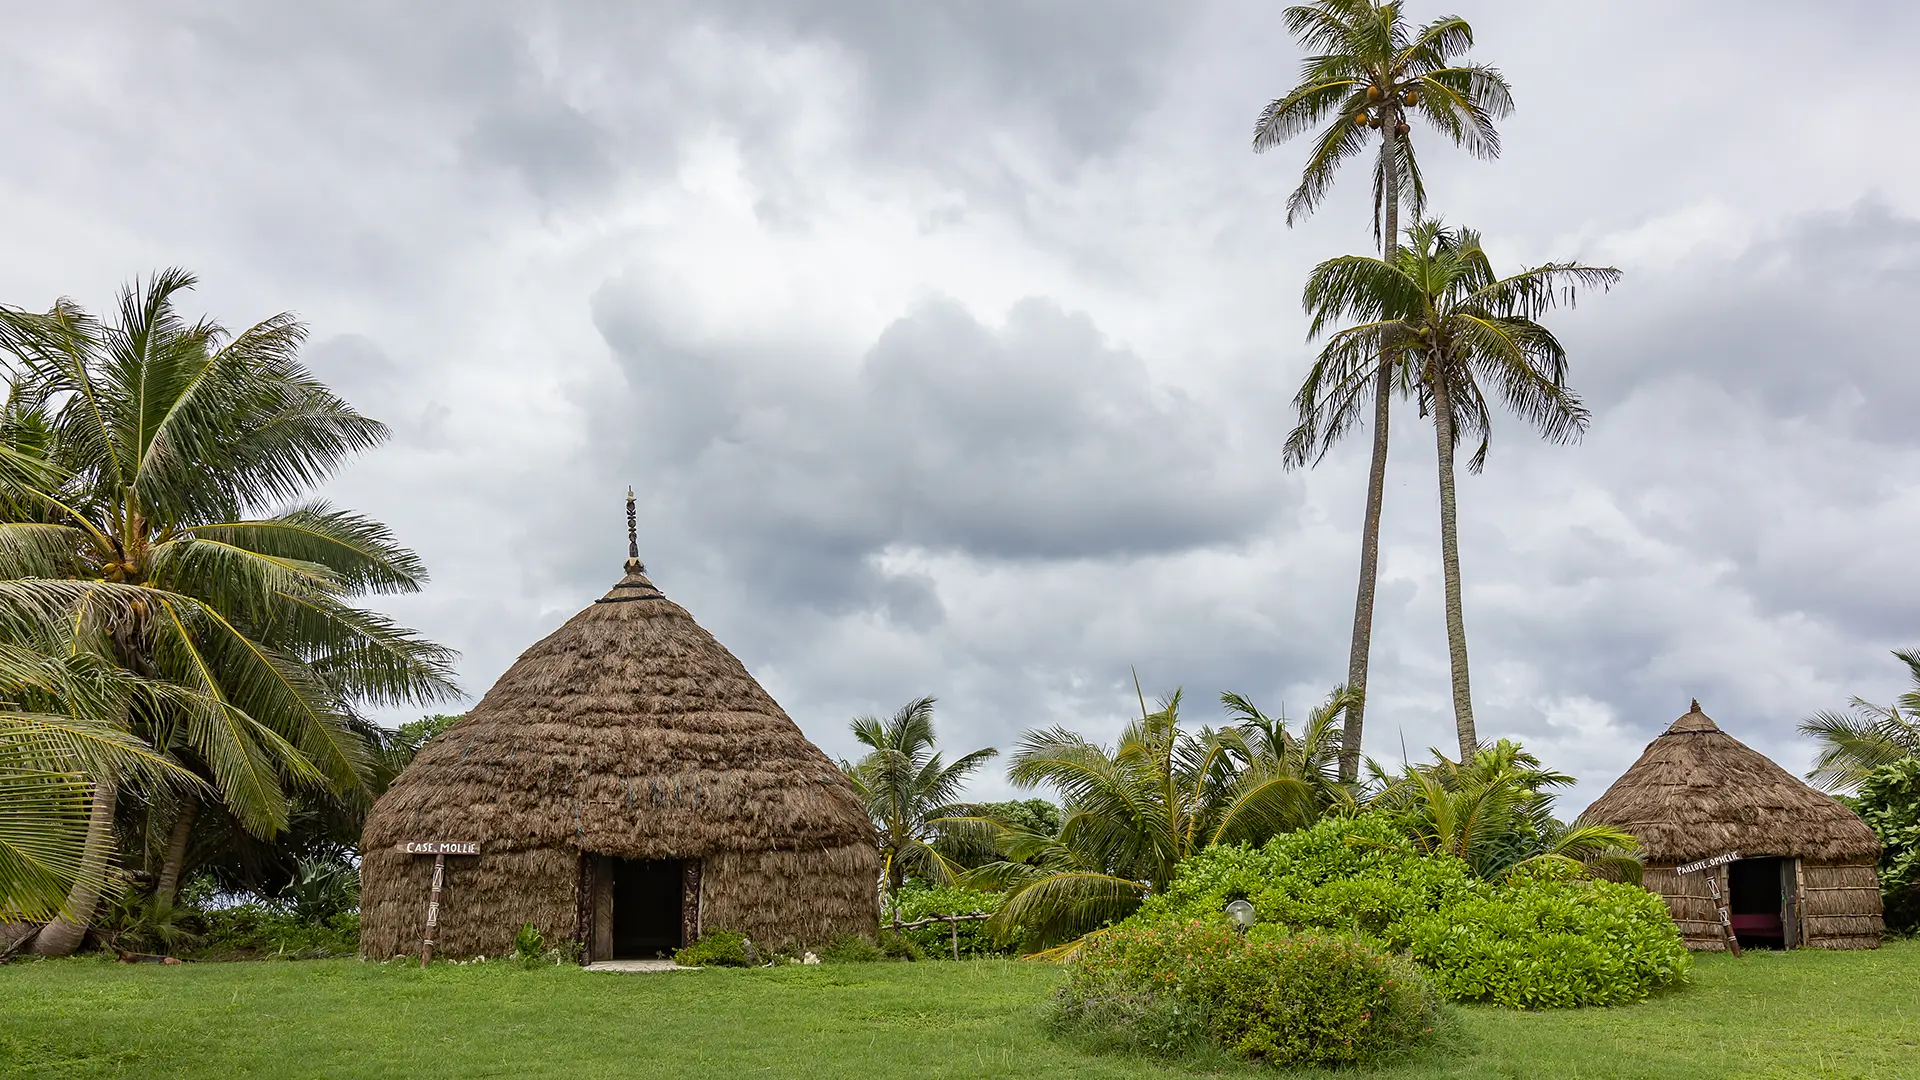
631,786
1805,872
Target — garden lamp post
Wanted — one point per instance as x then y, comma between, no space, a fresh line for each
1242,914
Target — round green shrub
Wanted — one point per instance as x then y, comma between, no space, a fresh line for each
1529,940
717,948
1543,943
1303,1000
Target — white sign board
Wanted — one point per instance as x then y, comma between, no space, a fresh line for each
441,847
1707,864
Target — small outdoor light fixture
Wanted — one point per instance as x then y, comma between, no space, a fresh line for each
1242,914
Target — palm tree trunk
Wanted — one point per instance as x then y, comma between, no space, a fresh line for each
1362,643
1450,564
64,934
169,883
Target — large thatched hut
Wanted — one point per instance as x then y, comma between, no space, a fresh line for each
631,786
1805,867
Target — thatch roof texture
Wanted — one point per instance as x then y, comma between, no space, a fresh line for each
629,732
1697,792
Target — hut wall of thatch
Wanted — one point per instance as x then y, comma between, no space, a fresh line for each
1690,904
627,734
1841,902
1698,793
789,898
484,900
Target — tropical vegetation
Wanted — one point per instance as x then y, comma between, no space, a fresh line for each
1169,988
1889,802
1537,934
910,791
1136,809
1369,70
156,521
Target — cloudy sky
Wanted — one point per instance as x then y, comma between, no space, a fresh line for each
950,353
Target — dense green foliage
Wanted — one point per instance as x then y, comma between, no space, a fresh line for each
717,948
1136,809
1889,802
258,931
919,900
1496,812
1533,939
1307,1000
321,921
1800,1015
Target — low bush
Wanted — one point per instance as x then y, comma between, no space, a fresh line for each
1530,939
1535,942
918,901
529,944
718,948
899,946
260,932
853,949
1171,988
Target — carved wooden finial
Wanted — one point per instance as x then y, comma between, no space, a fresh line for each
634,565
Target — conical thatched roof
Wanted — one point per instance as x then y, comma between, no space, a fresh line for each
628,732
1697,792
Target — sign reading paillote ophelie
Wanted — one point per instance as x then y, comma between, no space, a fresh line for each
1707,864
441,847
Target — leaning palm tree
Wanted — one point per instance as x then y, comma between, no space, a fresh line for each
1136,810
59,727
150,526
911,793
1438,310
1866,736
1370,71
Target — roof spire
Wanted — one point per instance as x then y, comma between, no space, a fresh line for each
634,565
1696,705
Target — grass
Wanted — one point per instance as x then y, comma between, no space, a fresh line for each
1803,1014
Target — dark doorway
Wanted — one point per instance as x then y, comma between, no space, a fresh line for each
646,908
1755,900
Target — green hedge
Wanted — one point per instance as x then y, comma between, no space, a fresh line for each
1889,801
1168,988
256,931
1529,940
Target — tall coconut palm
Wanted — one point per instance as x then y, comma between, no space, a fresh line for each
1866,736
160,537
1438,309
1370,71
911,793
1135,811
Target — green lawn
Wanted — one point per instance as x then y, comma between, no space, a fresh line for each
1806,1014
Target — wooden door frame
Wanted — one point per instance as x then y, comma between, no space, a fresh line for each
584,902
689,901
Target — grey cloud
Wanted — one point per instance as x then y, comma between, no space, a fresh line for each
1035,442
1078,72
555,148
